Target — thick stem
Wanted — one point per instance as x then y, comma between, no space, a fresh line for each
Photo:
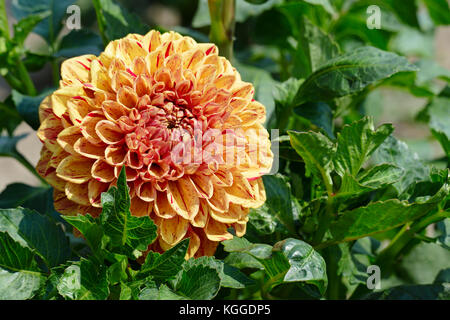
404,236
28,84
4,20
388,257
325,221
267,287
55,72
222,25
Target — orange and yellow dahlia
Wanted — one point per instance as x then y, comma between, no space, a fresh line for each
181,121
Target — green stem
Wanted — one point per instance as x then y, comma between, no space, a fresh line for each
267,287
26,84
30,89
4,19
334,280
100,21
325,221
55,72
222,25
388,257
13,82
403,237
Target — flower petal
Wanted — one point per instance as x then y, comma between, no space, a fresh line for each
89,150
173,230
162,207
216,231
74,169
95,190
78,193
77,69
140,208
109,132
68,137
183,198
201,217
102,171
219,201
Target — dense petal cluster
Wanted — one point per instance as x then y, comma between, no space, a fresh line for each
182,122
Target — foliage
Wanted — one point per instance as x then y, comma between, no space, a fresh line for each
348,193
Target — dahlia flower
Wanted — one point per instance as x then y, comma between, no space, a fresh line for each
181,121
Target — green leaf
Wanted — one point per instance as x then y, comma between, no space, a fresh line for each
20,285
326,4
279,199
14,256
230,276
353,263
79,42
314,47
284,94
23,28
318,114
83,280
117,21
117,271
306,264
438,112
199,280
19,278
413,292
35,198
28,107
50,27
396,152
380,176
10,117
163,293
443,140
127,233
444,228
290,260
350,73
406,10
381,216
262,220
317,151
439,11
89,227
259,251
422,83
356,142
36,232
443,276
376,178
167,265
233,278
242,260
8,146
